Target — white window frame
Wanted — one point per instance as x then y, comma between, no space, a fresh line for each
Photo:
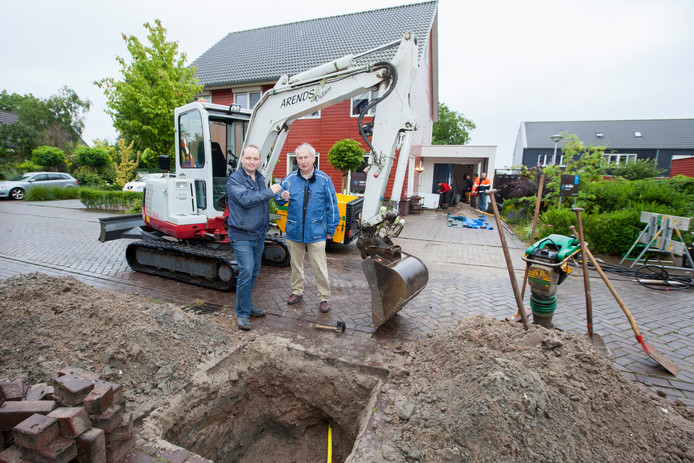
291,156
372,95
542,160
247,93
615,159
204,96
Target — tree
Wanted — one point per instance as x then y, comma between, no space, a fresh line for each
452,128
57,121
154,83
48,156
125,163
346,155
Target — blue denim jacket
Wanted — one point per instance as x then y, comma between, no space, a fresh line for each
249,211
317,195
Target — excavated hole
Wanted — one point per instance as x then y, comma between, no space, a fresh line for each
271,402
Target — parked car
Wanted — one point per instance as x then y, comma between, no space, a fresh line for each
139,183
16,187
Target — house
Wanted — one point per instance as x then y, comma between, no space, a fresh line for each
626,141
243,65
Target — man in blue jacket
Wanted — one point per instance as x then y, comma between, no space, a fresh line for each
249,220
312,217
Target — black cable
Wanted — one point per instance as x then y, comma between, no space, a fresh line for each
372,103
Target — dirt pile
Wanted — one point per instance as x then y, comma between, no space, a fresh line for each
150,348
483,391
489,391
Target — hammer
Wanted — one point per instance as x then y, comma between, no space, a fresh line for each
339,327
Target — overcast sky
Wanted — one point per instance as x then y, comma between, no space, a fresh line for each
501,62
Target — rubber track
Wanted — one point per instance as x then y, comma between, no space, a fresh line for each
181,249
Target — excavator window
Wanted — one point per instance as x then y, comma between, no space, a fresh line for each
192,149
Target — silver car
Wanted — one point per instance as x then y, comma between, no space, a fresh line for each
16,187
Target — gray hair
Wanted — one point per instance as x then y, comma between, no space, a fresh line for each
305,146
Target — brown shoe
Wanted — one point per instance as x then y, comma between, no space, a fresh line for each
294,298
325,306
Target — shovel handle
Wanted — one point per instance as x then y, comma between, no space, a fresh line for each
619,300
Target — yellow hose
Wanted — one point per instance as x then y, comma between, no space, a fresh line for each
330,444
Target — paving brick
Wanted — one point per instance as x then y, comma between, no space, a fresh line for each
12,454
73,421
123,431
117,389
11,391
38,392
86,374
36,432
92,446
99,399
115,451
108,420
60,450
12,413
71,389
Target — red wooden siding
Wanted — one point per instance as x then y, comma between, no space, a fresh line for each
682,167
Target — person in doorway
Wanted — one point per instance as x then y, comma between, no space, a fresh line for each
444,194
479,188
312,218
467,188
249,219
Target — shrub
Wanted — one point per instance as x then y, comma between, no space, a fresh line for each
92,157
48,156
110,200
50,193
613,232
89,178
28,166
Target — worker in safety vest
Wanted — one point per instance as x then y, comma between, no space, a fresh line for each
479,188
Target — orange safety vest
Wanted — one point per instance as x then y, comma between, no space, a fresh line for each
486,182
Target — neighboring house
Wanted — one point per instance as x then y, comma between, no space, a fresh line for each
8,118
626,141
243,65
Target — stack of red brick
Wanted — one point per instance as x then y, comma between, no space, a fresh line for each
79,418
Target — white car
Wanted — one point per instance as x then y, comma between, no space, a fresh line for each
139,183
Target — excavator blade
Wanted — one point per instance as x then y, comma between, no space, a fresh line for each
393,284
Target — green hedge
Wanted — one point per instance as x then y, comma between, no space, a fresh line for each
613,209
50,193
129,201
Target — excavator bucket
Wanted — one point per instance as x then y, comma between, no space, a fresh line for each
393,284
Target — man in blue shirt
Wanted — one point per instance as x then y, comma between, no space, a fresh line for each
312,218
249,220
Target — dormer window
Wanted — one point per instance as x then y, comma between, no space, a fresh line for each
638,134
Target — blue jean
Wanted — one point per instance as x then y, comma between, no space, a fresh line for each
482,201
249,255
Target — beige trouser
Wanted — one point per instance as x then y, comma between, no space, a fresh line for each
316,254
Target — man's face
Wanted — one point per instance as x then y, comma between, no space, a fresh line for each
484,176
305,159
250,159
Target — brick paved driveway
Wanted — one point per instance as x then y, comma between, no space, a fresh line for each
467,275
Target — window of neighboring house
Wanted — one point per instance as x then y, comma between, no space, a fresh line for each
358,103
550,160
292,165
206,97
620,158
247,99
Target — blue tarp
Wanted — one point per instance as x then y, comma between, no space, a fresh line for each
464,222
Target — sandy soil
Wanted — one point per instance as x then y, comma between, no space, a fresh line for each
484,391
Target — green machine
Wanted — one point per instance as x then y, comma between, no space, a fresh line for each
548,266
